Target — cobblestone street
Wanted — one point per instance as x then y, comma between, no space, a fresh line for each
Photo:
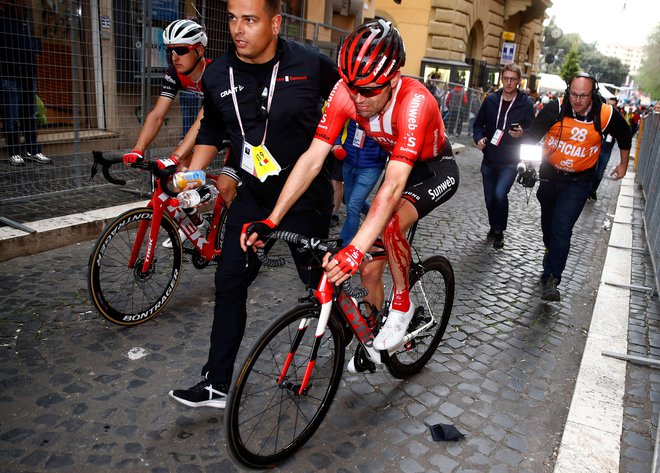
73,400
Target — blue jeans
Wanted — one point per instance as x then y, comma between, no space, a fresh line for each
497,184
561,205
358,183
20,113
603,159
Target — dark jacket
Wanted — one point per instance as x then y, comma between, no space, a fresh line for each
508,151
305,77
371,155
17,44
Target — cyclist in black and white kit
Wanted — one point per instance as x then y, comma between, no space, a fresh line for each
185,42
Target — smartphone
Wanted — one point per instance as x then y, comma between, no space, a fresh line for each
514,126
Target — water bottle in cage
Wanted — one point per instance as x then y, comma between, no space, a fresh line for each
183,179
194,197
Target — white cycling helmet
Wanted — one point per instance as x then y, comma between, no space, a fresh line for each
184,32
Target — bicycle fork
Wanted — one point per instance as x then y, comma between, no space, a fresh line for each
324,294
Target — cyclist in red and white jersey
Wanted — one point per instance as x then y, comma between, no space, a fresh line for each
185,41
403,117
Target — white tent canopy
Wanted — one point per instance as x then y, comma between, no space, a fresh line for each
551,83
554,83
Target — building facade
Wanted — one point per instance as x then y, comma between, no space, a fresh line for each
463,40
101,61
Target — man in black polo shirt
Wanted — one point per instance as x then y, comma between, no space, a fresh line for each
266,93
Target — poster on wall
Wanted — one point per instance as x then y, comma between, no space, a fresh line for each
158,56
165,10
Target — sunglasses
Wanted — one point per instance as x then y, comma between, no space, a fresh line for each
368,92
179,50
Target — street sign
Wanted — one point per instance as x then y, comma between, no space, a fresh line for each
508,53
508,36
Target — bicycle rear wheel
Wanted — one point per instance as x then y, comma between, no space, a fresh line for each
267,421
125,295
432,292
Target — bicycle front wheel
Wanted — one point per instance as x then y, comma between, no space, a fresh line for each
125,294
267,418
432,292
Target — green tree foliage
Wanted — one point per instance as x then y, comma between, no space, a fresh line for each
648,76
571,65
604,68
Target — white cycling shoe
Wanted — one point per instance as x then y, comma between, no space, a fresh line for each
394,329
168,243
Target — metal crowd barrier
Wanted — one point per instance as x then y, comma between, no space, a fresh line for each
648,177
98,74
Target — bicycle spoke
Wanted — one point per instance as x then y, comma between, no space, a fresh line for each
125,294
431,291
267,420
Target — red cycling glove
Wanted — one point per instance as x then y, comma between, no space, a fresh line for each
164,163
263,228
349,259
132,157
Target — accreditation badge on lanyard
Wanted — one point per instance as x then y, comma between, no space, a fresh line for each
358,138
257,160
499,133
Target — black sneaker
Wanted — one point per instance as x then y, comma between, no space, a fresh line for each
491,234
593,196
498,240
549,291
203,393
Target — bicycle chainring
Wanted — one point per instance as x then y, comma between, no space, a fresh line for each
198,260
362,361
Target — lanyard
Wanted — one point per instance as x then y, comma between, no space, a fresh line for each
497,122
271,91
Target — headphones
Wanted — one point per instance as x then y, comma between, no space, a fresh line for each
596,98
595,94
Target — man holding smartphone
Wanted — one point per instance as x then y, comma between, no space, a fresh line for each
499,124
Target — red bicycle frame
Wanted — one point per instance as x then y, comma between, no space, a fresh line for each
161,202
325,295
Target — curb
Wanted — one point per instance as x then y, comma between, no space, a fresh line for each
61,231
591,441
57,232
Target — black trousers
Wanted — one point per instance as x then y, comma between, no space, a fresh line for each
233,278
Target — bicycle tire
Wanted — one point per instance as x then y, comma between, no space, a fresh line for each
266,421
220,236
124,295
431,290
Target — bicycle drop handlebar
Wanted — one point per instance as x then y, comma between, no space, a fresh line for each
161,174
315,245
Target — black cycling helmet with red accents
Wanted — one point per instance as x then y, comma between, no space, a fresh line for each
374,52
